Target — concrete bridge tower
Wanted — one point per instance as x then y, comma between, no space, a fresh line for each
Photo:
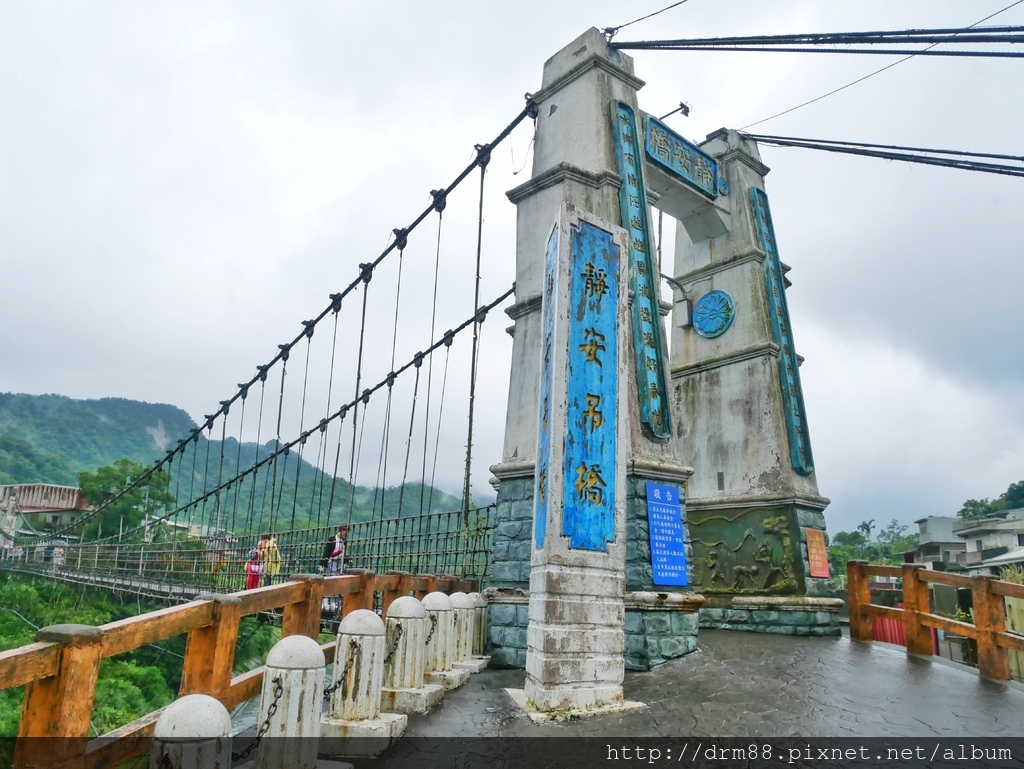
755,514
588,189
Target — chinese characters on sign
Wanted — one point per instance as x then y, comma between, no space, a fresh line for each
643,276
591,389
817,554
668,545
682,159
778,312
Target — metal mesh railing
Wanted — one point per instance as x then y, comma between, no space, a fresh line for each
456,543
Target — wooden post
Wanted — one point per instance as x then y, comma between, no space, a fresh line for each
400,580
210,650
860,596
446,584
61,705
423,584
303,618
915,604
989,618
362,598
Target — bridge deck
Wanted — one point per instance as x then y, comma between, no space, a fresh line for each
751,685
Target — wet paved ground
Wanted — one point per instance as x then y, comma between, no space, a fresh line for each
752,685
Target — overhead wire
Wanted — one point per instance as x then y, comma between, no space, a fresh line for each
870,74
817,42
612,31
921,155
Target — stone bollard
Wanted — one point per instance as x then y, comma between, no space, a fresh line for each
293,686
193,732
465,621
441,643
405,690
354,724
480,626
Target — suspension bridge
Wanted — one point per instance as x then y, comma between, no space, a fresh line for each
612,539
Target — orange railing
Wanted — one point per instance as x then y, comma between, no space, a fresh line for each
60,670
989,628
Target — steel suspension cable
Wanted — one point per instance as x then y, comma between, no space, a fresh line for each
476,339
430,363
302,422
256,460
907,154
238,459
529,110
322,463
277,439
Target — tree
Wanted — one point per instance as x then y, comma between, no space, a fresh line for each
866,527
976,508
122,506
1012,498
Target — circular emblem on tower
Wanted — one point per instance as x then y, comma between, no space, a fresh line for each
713,314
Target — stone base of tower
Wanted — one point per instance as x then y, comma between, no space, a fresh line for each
784,615
752,564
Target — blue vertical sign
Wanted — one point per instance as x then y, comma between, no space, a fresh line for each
643,279
591,389
542,477
789,372
668,543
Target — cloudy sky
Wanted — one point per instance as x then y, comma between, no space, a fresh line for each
182,183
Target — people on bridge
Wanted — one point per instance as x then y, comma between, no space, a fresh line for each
270,557
57,560
333,559
253,570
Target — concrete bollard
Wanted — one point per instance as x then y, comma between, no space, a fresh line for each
465,622
441,643
480,625
354,724
194,732
405,690
293,686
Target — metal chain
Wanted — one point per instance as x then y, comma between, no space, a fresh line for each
353,647
265,726
433,627
394,648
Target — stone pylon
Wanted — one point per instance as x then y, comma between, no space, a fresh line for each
588,165
755,514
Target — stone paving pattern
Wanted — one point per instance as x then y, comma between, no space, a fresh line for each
759,685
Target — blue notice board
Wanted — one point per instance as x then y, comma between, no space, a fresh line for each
668,545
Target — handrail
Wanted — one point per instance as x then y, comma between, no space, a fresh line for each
60,670
988,631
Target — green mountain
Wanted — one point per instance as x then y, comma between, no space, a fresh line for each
51,438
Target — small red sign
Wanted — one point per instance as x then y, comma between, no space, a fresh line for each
817,554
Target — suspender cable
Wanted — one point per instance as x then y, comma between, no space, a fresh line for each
483,157
322,462
364,398
302,420
366,275
529,110
256,461
220,469
277,440
382,464
238,460
439,204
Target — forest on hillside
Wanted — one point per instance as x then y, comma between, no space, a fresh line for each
103,445
130,685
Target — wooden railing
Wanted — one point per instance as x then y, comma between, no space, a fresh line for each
989,628
59,671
